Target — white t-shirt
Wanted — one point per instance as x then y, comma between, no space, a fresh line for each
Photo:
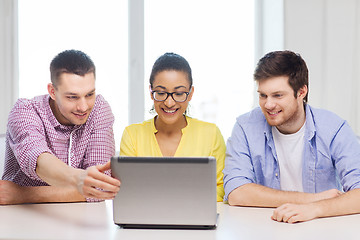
289,150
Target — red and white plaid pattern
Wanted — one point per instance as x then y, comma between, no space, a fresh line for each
33,129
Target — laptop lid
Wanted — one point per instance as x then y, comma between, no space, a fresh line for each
165,192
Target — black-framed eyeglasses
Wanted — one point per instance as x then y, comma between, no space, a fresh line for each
176,96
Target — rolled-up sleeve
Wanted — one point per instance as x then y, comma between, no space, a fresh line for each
27,138
345,150
238,166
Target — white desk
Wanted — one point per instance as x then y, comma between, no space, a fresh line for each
94,221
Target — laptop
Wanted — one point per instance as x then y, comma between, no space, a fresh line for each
165,192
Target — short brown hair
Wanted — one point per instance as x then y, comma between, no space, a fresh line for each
284,63
70,61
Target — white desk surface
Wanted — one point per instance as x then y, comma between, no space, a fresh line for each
94,221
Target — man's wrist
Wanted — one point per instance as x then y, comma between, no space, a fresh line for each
318,209
77,177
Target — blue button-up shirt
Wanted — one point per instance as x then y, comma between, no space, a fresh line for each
331,156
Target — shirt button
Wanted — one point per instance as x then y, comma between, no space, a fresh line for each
276,174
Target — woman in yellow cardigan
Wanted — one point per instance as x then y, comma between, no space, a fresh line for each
171,132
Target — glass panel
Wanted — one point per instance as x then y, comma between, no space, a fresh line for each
99,28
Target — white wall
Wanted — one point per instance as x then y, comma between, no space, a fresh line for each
326,33
136,61
8,59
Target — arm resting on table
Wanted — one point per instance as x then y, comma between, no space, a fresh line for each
256,195
11,193
347,203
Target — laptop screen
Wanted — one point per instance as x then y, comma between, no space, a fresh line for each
165,191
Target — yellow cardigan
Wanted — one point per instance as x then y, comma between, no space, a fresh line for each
199,138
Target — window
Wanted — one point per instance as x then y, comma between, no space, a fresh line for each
216,37
99,28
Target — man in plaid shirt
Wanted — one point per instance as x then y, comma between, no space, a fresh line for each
58,145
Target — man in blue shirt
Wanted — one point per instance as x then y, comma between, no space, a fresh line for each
289,155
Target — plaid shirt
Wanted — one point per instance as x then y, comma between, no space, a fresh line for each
33,129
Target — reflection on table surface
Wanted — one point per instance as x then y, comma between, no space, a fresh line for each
94,221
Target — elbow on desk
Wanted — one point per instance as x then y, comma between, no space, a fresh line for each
240,197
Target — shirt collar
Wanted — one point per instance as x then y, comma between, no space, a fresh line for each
154,130
187,125
309,125
54,122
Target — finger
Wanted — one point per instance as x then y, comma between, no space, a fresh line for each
94,173
92,182
277,213
104,167
277,216
283,214
98,194
294,219
273,216
288,216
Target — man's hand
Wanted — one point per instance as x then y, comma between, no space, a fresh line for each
94,183
292,213
10,193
